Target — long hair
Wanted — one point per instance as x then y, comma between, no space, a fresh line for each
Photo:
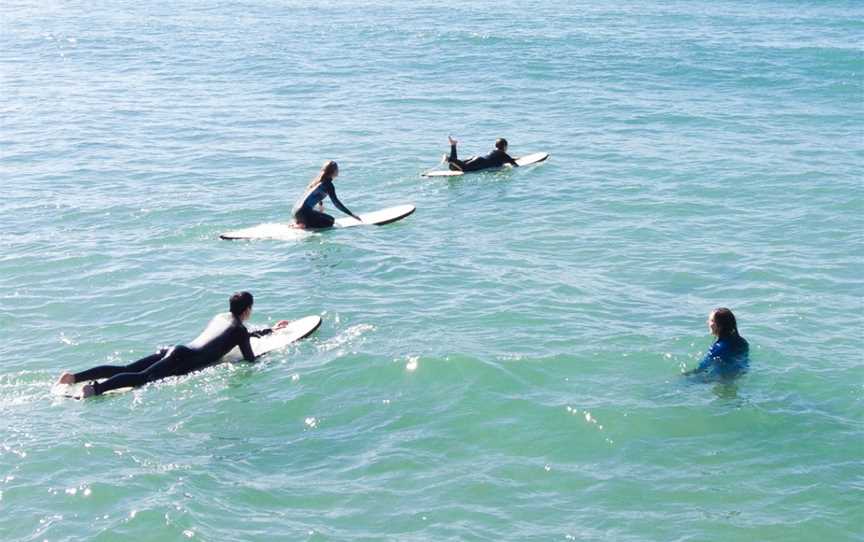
725,322
327,171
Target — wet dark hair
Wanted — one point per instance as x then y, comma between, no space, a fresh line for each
239,302
500,143
725,322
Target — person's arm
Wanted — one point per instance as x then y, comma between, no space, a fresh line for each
244,344
268,330
706,362
331,191
510,160
261,332
702,366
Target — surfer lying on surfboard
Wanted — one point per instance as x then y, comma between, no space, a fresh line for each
305,214
223,333
496,158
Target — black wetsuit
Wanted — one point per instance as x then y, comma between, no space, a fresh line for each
304,209
222,334
496,158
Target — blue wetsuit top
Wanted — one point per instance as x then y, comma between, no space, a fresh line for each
313,197
727,358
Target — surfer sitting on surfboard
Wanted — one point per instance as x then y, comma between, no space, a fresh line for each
305,214
223,333
496,158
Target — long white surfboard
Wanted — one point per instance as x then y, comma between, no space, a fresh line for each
526,160
286,230
280,338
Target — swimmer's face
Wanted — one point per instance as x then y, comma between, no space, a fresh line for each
712,326
246,314
335,172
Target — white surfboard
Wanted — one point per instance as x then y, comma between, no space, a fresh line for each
443,173
290,231
533,158
280,338
527,160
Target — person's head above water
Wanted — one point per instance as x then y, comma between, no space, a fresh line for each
330,170
722,323
501,144
241,305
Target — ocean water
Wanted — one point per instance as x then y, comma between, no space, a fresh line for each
502,365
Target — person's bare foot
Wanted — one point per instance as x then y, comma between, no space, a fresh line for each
66,378
88,391
452,141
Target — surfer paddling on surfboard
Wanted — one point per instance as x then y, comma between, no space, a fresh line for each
496,158
224,332
305,214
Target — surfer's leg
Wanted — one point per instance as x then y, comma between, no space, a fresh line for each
107,371
310,218
168,365
455,163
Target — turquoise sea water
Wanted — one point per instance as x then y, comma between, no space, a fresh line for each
502,365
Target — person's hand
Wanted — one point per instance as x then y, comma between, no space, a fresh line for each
358,218
451,140
281,323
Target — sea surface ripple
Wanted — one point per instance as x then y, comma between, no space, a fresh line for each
503,364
